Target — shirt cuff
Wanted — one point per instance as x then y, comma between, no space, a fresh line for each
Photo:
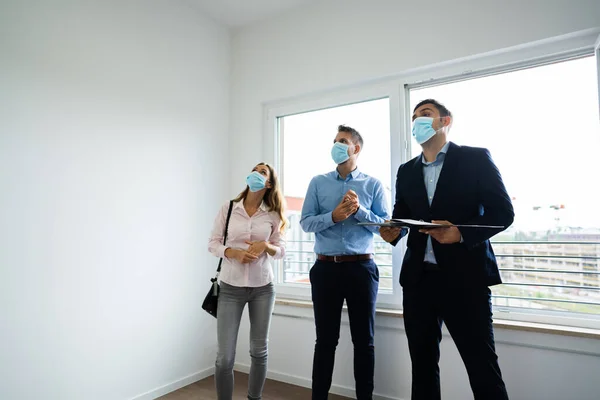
461,239
277,254
361,213
221,250
328,219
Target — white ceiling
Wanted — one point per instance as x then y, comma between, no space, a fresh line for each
236,13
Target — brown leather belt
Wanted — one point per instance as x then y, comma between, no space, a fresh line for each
340,259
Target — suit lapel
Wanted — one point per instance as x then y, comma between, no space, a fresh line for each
444,183
419,183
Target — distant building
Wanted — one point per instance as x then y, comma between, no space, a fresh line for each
563,264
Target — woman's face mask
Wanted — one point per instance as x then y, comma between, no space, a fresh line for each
256,181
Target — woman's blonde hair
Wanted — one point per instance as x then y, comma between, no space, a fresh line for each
273,198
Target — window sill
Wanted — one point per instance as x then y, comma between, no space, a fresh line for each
498,324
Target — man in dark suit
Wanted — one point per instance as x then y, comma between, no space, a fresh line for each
446,272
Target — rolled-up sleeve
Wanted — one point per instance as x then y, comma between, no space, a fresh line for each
277,239
378,212
215,243
311,220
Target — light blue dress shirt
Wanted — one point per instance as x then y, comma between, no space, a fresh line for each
324,193
431,174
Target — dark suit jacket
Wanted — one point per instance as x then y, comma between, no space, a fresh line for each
469,191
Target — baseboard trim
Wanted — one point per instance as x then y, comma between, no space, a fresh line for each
178,384
305,382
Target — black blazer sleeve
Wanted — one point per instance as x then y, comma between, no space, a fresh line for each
496,205
401,209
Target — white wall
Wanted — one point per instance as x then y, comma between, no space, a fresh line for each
337,43
345,42
113,144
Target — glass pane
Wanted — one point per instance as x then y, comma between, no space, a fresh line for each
541,127
597,51
306,141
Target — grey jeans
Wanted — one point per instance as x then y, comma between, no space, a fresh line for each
232,300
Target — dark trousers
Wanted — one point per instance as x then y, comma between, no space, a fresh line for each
467,314
357,283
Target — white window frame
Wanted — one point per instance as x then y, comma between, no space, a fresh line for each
395,88
560,49
332,99
597,53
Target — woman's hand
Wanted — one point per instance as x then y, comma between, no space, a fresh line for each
243,256
257,248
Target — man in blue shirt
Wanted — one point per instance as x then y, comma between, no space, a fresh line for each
446,272
335,202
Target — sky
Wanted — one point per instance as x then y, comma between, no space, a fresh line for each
541,126
319,128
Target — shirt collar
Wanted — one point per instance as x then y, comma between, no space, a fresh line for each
439,157
354,174
238,204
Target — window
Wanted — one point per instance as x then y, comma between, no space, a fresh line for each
541,127
535,107
305,142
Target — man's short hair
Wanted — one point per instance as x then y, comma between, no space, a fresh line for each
356,137
444,112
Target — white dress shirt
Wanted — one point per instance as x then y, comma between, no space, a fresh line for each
262,226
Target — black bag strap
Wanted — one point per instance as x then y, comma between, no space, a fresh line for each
224,237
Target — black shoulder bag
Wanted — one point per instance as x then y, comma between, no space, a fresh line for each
211,300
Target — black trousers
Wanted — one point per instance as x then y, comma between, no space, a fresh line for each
357,282
467,314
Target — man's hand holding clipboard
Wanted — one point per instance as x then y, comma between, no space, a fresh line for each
445,232
389,233
442,231
446,235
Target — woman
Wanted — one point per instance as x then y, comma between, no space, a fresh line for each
255,235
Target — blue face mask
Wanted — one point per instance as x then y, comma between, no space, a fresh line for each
422,129
256,181
339,153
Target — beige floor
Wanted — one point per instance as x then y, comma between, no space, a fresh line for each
204,390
